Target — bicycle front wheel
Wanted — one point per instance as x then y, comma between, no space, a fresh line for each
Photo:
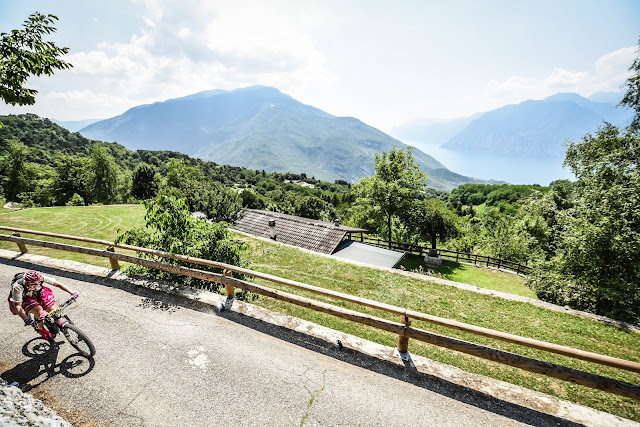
79,340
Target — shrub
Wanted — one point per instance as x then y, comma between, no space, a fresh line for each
76,200
169,227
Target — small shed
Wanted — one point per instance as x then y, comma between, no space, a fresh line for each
315,235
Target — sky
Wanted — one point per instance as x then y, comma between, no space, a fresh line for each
383,62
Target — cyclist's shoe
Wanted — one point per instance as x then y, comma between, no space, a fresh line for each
45,334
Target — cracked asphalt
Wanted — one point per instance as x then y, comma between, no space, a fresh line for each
164,360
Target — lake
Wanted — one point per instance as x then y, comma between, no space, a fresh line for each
500,167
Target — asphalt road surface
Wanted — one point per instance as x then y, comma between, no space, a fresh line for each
166,361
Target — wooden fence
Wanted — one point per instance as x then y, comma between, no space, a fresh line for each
423,250
403,328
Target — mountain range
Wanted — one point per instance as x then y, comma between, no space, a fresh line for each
533,128
262,128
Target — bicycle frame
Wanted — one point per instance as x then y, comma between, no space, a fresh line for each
55,320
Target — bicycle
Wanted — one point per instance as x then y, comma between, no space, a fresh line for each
56,322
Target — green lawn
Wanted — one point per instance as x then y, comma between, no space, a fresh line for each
98,222
481,277
400,290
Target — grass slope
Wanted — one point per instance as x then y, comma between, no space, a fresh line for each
481,277
422,295
98,222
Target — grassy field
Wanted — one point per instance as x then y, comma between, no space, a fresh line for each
481,277
98,222
422,295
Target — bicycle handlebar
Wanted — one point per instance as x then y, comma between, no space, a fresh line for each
61,306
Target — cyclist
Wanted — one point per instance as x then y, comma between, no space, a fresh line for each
29,296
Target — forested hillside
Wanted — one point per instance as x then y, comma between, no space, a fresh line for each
44,164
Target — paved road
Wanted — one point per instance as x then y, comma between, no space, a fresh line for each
163,360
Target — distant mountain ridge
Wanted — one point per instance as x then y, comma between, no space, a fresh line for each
535,128
262,128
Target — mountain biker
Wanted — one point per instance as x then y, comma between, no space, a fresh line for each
29,296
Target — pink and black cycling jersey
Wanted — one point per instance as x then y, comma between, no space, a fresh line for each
20,292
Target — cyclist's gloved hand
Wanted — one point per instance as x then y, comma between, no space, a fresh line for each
28,321
75,295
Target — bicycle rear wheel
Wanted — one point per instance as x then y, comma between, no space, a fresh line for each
78,340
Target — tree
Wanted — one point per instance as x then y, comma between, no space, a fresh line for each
221,204
20,175
384,197
144,182
169,227
251,200
24,53
431,219
180,175
71,177
595,265
313,207
104,175
632,96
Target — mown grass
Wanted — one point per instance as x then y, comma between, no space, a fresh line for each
397,289
98,222
477,276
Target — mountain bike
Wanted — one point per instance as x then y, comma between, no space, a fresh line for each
56,322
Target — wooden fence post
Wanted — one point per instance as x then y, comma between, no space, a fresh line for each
230,289
21,246
113,261
403,341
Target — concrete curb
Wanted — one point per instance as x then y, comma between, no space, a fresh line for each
498,389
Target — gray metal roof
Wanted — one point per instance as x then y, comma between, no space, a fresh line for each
356,251
318,236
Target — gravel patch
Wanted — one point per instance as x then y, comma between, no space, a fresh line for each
22,409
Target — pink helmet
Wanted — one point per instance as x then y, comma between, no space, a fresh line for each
32,277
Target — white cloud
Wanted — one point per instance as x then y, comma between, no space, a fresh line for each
223,46
614,66
73,105
609,72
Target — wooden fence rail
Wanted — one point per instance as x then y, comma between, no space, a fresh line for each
403,329
444,253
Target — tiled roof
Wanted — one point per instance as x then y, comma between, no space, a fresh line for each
318,236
